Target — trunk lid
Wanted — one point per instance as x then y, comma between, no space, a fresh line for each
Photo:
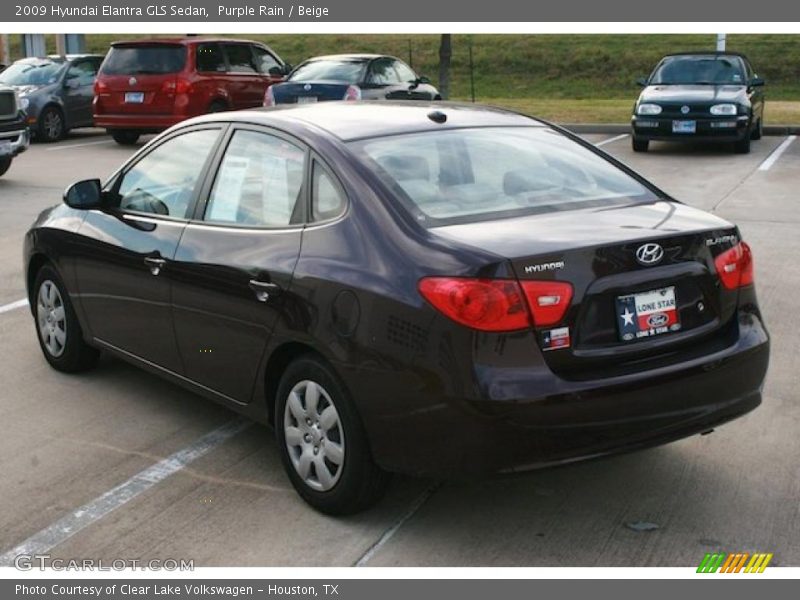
308,91
596,252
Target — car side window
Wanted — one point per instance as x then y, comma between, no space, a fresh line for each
381,72
405,72
259,182
240,58
163,182
265,62
210,58
83,72
327,200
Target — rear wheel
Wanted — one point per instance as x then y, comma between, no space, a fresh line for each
57,328
51,125
322,441
125,137
5,164
217,106
742,146
640,145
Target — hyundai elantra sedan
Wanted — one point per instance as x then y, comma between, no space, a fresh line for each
430,289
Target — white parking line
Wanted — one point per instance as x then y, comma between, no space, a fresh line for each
71,146
613,139
13,305
776,154
79,519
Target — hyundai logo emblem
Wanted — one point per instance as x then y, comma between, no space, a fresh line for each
132,81
685,110
649,254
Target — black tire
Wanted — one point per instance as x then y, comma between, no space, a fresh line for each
742,146
125,137
75,355
217,106
639,145
51,126
361,483
5,164
758,131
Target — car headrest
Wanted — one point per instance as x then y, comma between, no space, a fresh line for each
405,166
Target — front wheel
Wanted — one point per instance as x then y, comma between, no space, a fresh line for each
322,441
57,328
125,137
5,164
639,145
758,131
51,125
742,146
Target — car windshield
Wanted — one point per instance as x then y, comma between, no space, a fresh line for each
346,71
465,175
708,70
144,60
42,72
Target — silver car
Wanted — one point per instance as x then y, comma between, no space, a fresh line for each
55,92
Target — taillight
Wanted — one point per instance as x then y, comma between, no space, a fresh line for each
353,93
735,266
100,87
183,86
483,304
548,300
269,97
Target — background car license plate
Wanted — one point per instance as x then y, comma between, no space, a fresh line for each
134,97
684,126
306,99
647,314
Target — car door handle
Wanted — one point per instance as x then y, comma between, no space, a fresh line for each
155,264
263,290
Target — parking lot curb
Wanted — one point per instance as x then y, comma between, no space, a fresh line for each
617,128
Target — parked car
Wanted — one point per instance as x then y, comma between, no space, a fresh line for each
351,77
56,93
14,138
442,290
700,97
147,86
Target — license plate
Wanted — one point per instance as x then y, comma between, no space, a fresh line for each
306,99
5,148
647,314
134,97
684,126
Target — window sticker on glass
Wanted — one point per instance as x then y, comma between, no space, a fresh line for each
230,184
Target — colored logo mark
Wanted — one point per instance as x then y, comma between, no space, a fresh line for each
734,563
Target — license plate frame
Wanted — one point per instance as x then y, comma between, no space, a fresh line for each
134,97
684,127
307,99
647,314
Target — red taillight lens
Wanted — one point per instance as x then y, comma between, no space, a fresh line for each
183,86
735,266
100,87
483,304
353,93
269,97
548,300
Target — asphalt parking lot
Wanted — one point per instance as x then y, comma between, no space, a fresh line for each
67,441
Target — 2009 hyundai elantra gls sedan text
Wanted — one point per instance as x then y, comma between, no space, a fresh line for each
430,289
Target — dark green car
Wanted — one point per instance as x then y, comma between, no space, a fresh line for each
700,97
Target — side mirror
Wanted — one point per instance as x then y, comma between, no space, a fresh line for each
287,68
424,80
277,71
84,195
641,82
757,82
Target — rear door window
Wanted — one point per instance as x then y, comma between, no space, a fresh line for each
82,72
265,62
240,58
151,59
210,58
259,182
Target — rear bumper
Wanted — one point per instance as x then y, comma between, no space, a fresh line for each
144,123
540,420
707,130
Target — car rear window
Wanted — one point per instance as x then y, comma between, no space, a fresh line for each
346,71
477,174
151,59
700,70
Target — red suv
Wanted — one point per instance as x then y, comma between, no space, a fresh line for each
147,86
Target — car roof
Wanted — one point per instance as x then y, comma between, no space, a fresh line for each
707,53
355,120
353,57
181,41
57,58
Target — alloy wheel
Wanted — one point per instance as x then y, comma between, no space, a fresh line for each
52,318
